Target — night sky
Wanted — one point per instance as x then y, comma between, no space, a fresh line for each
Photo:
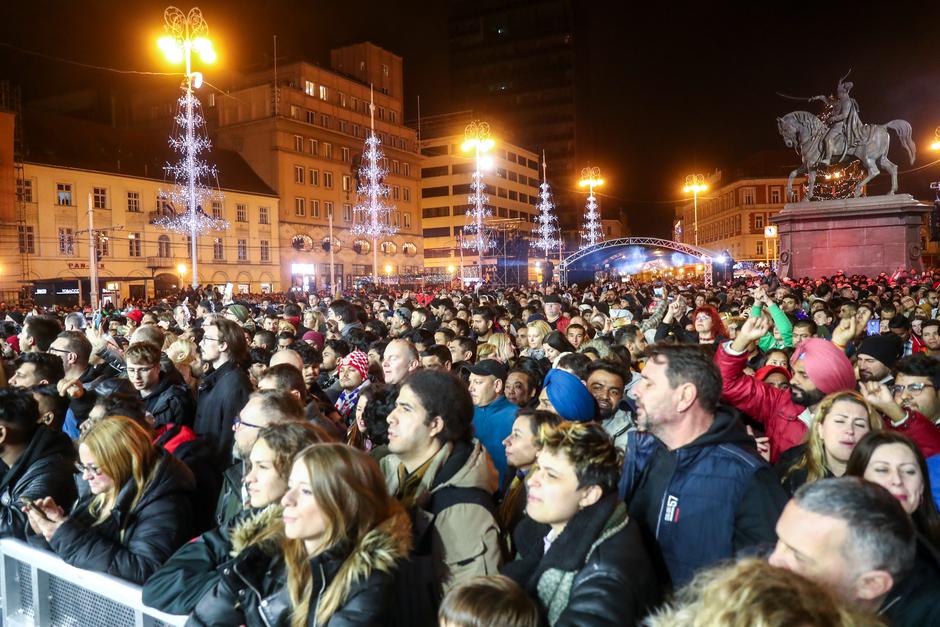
673,89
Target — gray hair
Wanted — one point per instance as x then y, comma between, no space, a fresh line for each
880,533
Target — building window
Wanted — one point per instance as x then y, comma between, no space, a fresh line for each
103,246
760,248
327,150
324,93
265,251
396,166
328,207
294,112
163,246
66,242
328,180
406,194
309,88
299,174
314,177
758,221
342,99
314,208
325,120
347,212
263,215
396,218
24,190
344,154
133,245
241,212
27,240
300,207
347,183
99,198
396,192
218,249
774,195
343,126
298,143
133,202
388,248
63,194
407,167
310,117
406,219
747,196
242,249
217,209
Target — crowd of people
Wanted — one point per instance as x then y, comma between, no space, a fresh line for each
760,452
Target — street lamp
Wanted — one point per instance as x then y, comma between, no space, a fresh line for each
188,34
695,183
181,270
591,233
477,139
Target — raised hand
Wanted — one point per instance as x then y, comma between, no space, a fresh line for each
753,329
846,331
880,397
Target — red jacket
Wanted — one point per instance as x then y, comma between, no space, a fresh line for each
918,428
765,404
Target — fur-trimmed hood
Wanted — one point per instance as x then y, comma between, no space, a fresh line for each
263,528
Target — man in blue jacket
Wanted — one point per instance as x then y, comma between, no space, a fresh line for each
692,477
493,415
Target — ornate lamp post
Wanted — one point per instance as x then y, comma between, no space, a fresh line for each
591,232
695,183
477,140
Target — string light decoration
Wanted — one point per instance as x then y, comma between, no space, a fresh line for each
837,182
547,231
196,179
475,234
373,214
592,232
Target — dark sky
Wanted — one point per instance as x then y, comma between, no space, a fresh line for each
674,88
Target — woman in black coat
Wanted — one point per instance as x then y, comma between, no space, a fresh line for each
138,510
581,556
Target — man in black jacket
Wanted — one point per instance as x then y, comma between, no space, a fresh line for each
167,400
224,391
36,461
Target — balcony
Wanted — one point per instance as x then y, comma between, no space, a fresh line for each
159,262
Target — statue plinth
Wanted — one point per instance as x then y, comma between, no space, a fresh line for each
856,235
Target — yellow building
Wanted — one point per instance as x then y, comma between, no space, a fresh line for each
68,163
512,186
305,140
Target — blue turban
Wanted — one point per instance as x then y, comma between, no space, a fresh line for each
569,396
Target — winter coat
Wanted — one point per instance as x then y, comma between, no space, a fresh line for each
914,601
222,394
199,456
252,586
132,542
466,535
596,572
707,501
618,426
492,424
193,571
764,403
44,469
916,426
794,481
170,402
231,501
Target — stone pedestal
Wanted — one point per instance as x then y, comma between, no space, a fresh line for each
856,235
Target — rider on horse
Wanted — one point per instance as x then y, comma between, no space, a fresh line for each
843,121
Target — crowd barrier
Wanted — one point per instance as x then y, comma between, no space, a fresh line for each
40,590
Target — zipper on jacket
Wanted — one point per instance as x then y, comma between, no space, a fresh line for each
316,610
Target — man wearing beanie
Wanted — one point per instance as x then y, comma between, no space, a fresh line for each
876,357
353,378
819,368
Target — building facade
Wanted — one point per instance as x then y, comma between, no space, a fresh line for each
305,139
512,187
70,164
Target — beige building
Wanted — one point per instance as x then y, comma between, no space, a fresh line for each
68,162
305,140
512,187
736,208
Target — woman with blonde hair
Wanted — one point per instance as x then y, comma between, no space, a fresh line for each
138,510
536,332
841,420
752,593
185,356
505,352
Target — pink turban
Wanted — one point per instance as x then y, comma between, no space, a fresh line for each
826,365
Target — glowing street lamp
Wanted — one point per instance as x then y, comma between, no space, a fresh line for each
188,34
181,270
695,183
477,140
591,232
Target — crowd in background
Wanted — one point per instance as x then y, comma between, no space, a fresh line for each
757,452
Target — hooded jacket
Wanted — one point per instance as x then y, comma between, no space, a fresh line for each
132,542
170,402
222,394
465,536
596,572
252,586
704,502
44,469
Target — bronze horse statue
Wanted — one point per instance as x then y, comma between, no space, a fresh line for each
806,132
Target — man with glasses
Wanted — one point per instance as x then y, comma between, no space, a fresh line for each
74,349
224,391
265,407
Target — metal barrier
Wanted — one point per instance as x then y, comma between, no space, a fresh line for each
38,590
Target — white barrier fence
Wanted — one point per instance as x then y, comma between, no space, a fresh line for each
40,590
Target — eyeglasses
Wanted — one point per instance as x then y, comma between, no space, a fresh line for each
242,423
206,338
53,349
90,468
143,370
914,388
